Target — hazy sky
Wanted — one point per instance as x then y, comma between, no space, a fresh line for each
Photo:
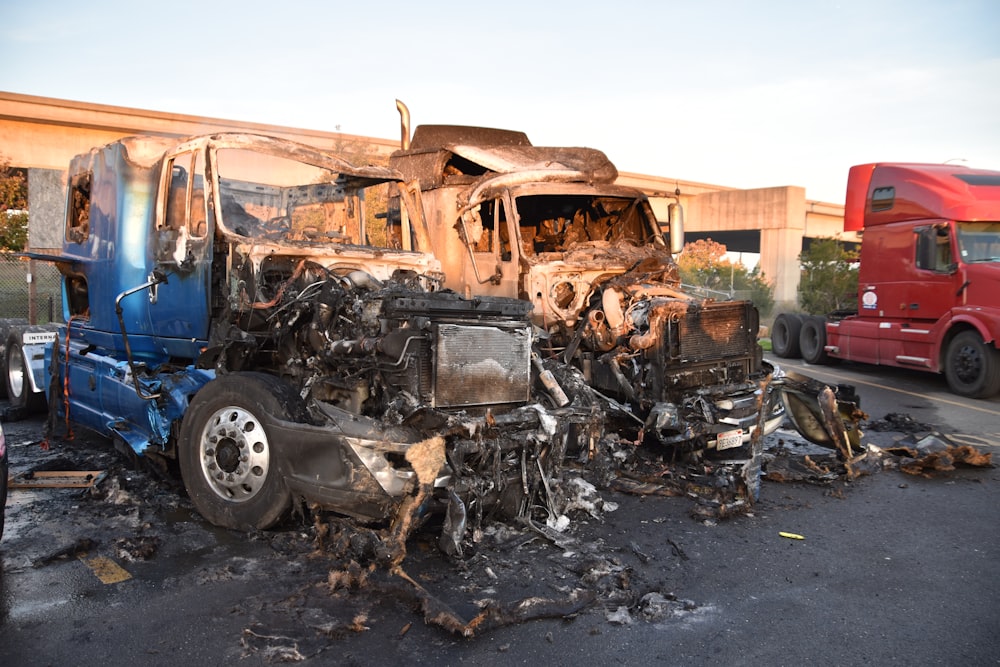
737,93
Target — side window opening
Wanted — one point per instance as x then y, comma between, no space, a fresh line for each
77,295
77,231
934,249
176,212
493,234
883,199
503,235
186,215
186,202
200,213
78,215
399,234
486,243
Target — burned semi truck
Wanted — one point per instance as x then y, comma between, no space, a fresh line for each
244,307
550,226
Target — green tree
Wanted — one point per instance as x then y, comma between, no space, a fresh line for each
829,279
754,281
13,207
703,263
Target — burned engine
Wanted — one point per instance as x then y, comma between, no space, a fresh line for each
689,368
375,347
392,364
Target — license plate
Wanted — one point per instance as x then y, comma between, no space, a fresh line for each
729,439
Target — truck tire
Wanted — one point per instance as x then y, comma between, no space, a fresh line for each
971,366
22,398
785,335
812,340
228,459
8,325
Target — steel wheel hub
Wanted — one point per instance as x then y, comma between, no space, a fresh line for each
235,454
968,364
15,372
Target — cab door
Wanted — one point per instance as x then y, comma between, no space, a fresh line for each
492,252
179,308
937,282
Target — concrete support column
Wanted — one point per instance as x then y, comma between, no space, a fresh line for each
780,215
779,251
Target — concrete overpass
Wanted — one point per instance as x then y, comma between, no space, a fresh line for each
777,223
42,134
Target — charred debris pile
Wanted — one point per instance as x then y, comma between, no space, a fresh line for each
366,558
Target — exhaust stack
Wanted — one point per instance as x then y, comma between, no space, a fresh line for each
404,125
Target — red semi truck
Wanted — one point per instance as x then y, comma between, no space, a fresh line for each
928,282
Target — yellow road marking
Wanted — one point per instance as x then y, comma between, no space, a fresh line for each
108,571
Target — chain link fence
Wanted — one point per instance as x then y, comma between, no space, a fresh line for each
29,289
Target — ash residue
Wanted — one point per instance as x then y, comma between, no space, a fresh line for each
898,422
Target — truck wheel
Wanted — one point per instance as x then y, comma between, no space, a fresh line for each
812,340
785,335
228,458
972,367
18,384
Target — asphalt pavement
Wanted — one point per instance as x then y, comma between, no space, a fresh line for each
891,568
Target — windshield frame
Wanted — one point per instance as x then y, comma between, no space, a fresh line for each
978,241
580,228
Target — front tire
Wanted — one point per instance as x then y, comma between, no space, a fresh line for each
972,367
228,458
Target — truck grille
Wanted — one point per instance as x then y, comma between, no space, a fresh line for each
716,331
482,365
711,346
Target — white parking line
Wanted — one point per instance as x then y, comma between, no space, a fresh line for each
815,370
984,440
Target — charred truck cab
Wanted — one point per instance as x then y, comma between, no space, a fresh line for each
246,306
550,226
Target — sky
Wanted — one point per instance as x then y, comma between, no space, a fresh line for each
727,92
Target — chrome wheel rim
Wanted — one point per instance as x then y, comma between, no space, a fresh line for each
15,372
235,454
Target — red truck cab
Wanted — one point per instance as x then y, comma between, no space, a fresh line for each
929,276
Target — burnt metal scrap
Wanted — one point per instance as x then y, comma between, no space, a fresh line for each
831,417
929,453
926,454
360,552
496,615
825,415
